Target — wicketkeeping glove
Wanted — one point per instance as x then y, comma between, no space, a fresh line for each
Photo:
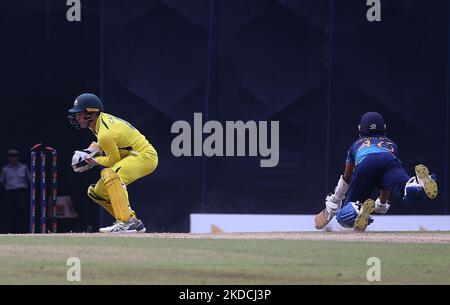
84,160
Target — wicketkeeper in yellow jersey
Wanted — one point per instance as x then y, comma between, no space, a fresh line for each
124,155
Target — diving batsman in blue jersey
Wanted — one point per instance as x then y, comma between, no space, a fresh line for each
372,162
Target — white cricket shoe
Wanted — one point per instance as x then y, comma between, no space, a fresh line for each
132,226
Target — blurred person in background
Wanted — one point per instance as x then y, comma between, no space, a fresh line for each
15,179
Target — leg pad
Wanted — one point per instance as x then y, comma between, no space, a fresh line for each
117,194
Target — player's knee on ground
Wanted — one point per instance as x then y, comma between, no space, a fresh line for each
117,194
101,201
346,216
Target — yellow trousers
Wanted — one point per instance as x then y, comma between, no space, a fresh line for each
129,169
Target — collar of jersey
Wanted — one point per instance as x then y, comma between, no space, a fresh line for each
97,124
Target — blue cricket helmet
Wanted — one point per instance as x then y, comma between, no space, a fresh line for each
372,123
87,103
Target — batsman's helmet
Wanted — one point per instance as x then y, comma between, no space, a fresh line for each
87,103
372,123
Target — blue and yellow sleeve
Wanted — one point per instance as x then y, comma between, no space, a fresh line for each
350,156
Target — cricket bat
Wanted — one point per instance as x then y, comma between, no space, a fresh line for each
322,219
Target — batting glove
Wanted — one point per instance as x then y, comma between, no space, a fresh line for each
333,204
381,208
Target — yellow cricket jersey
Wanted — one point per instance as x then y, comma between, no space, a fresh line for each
118,139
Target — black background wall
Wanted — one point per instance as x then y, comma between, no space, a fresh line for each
314,65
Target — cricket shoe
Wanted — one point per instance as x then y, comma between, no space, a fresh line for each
363,219
426,181
134,225
415,190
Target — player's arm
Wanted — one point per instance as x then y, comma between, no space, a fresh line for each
93,148
348,172
109,147
382,203
384,196
334,200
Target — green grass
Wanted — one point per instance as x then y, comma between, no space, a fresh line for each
122,260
